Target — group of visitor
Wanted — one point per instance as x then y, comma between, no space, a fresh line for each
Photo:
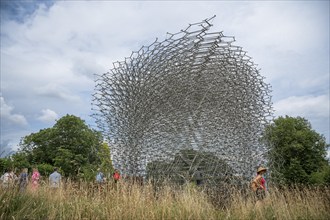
100,177
9,179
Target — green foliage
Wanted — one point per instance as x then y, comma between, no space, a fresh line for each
297,152
106,163
45,169
5,164
87,172
70,145
20,160
321,177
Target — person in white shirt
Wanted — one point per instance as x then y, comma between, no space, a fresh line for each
7,178
55,179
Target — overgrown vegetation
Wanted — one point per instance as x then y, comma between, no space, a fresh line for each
84,200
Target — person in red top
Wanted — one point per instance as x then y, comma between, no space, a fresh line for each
260,183
116,176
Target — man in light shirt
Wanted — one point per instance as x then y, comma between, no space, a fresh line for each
55,179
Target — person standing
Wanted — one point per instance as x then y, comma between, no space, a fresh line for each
7,179
35,179
99,176
55,179
23,180
259,185
100,179
116,176
14,178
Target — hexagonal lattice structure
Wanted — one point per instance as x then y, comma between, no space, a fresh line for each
194,90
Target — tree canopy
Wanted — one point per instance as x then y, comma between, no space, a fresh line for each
70,145
297,152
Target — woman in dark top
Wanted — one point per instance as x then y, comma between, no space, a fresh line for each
23,180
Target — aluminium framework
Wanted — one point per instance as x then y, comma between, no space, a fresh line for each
194,90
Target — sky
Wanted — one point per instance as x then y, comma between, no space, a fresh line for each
50,51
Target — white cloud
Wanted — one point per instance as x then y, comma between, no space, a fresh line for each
288,26
6,112
56,91
48,115
316,109
305,106
87,65
48,58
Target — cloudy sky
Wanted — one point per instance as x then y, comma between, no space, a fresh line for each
51,49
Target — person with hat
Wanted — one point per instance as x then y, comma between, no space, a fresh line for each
259,183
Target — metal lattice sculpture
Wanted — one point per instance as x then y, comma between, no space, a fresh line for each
194,90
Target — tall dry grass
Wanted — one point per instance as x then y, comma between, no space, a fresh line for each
285,203
131,201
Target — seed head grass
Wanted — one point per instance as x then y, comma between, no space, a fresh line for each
127,201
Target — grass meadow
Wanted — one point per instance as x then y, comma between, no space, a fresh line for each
131,201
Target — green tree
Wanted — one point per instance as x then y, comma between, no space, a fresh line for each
321,177
106,163
20,160
296,151
45,169
70,144
5,164
39,147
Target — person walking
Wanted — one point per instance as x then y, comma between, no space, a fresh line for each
7,179
100,180
116,176
23,180
13,177
55,179
99,176
259,186
35,179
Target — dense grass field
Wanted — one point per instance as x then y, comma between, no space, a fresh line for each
130,201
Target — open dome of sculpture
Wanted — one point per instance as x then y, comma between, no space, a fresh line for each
194,90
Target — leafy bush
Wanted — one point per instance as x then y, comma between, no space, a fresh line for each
45,169
321,177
